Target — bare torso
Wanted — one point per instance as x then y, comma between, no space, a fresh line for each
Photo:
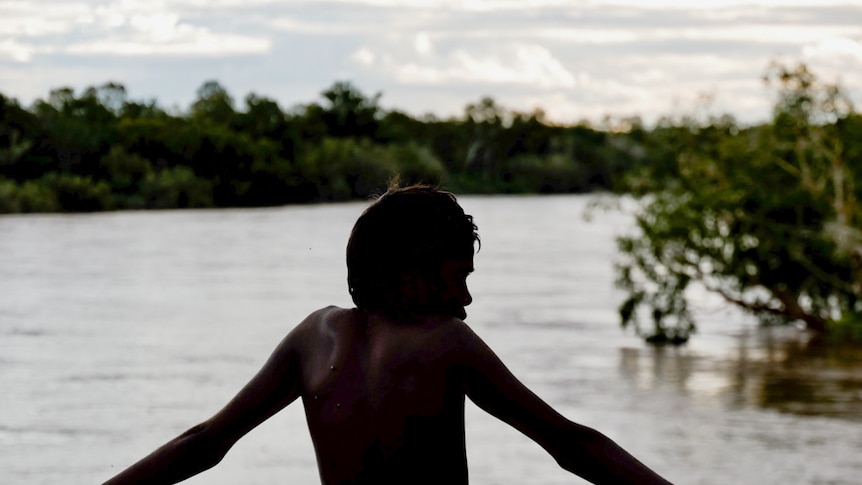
384,401
383,398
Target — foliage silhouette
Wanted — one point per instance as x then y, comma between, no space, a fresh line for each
765,216
341,148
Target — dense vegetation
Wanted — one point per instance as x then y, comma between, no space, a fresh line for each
766,216
99,150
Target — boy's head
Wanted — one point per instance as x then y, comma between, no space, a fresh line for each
403,240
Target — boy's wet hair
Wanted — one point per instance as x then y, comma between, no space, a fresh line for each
407,230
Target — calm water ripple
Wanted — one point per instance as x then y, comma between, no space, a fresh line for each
121,330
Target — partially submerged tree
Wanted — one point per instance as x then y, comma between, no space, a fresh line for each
766,217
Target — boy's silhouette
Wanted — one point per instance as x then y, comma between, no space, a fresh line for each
383,384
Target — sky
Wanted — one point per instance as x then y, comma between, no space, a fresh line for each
576,60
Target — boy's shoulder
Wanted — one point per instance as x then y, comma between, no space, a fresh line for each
325,320
335,322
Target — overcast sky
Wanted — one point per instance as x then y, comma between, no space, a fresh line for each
573,59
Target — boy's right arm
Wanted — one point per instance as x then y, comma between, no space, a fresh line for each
275,386
578,449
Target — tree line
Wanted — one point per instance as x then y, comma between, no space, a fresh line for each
766,216
98,150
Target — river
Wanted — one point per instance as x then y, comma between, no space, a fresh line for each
120,330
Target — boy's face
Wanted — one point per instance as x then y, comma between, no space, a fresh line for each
449,294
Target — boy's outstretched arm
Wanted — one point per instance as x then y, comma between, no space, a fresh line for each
578,449
203,446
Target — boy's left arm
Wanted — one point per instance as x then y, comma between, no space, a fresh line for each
578,449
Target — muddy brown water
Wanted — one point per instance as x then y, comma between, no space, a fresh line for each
120,330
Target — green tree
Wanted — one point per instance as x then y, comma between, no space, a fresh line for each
75,132
416,164
487,146
70,192
126,173
765,217
347,168
213,104
176,187
349,113
263,118
17,126
29,196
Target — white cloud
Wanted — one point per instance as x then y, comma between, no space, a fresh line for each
586,35
623,56
14,51
126,27
201,45
31,20
503,5
111,19
711,4
783,34
364,57
471,5
531,65
165,35
756,33
222,3
676,66
834,49
160,27
422,44
298,25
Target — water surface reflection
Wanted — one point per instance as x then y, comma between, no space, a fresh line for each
120,330
777,369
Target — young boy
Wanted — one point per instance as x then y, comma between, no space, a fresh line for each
383,384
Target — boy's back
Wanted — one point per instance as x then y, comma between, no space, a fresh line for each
384,399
